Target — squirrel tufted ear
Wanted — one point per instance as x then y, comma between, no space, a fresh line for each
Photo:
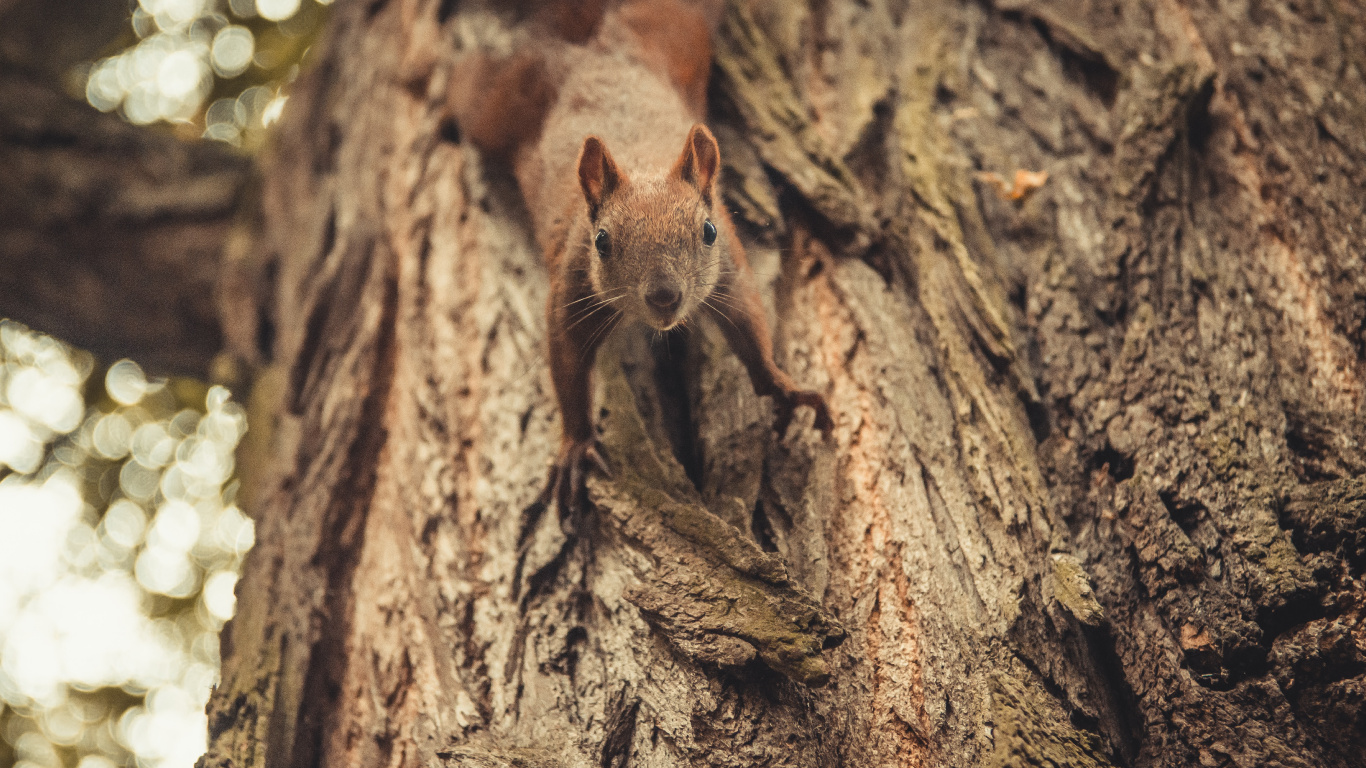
700,161
598,174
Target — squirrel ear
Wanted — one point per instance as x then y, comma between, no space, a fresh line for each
598,174
700,161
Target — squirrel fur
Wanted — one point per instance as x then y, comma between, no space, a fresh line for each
601,122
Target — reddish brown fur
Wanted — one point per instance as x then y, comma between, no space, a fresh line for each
573,21
674,39
621,214
501,103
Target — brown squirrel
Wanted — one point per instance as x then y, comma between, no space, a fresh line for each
637,232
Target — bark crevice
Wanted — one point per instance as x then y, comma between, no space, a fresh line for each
1092,491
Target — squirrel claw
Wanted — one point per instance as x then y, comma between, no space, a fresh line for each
593,455
786,403
567,483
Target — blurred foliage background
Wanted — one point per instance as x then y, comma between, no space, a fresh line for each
120,536
211,68
120,544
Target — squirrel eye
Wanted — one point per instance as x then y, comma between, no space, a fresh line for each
708,233
602,242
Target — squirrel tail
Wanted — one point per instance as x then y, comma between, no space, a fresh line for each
500,102
673,37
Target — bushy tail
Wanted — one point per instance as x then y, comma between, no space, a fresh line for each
673,37
500,103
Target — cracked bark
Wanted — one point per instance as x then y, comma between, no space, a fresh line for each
1093,497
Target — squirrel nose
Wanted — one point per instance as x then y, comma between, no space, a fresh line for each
665,298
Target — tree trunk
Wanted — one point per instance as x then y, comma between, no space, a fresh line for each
1093,496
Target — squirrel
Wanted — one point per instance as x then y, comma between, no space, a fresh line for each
620,176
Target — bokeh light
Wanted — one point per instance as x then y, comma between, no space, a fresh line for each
232,50
198,62
276,10
120,536
120,545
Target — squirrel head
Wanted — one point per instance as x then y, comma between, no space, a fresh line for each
654,247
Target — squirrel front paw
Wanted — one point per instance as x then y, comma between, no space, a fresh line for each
785,403
567,484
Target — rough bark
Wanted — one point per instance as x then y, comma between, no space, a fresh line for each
1093,496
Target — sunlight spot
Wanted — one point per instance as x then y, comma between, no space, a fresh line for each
224,132
169,730
229,112
173,483
140,107
144,24
208,462
179,75
82,546
216,397
111,435
173,12
165,571
218,594
143,62
276,10
104,90
234,531
152,446
35,518
48,399
273,110
19,447
176,527
254,101
225,425
233,48
183,424
138,482
62,726
124,524
125,382
33,747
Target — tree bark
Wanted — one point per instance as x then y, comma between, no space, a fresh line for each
1093,497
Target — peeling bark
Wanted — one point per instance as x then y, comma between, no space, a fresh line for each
1092,497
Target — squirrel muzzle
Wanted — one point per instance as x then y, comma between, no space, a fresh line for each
663,298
